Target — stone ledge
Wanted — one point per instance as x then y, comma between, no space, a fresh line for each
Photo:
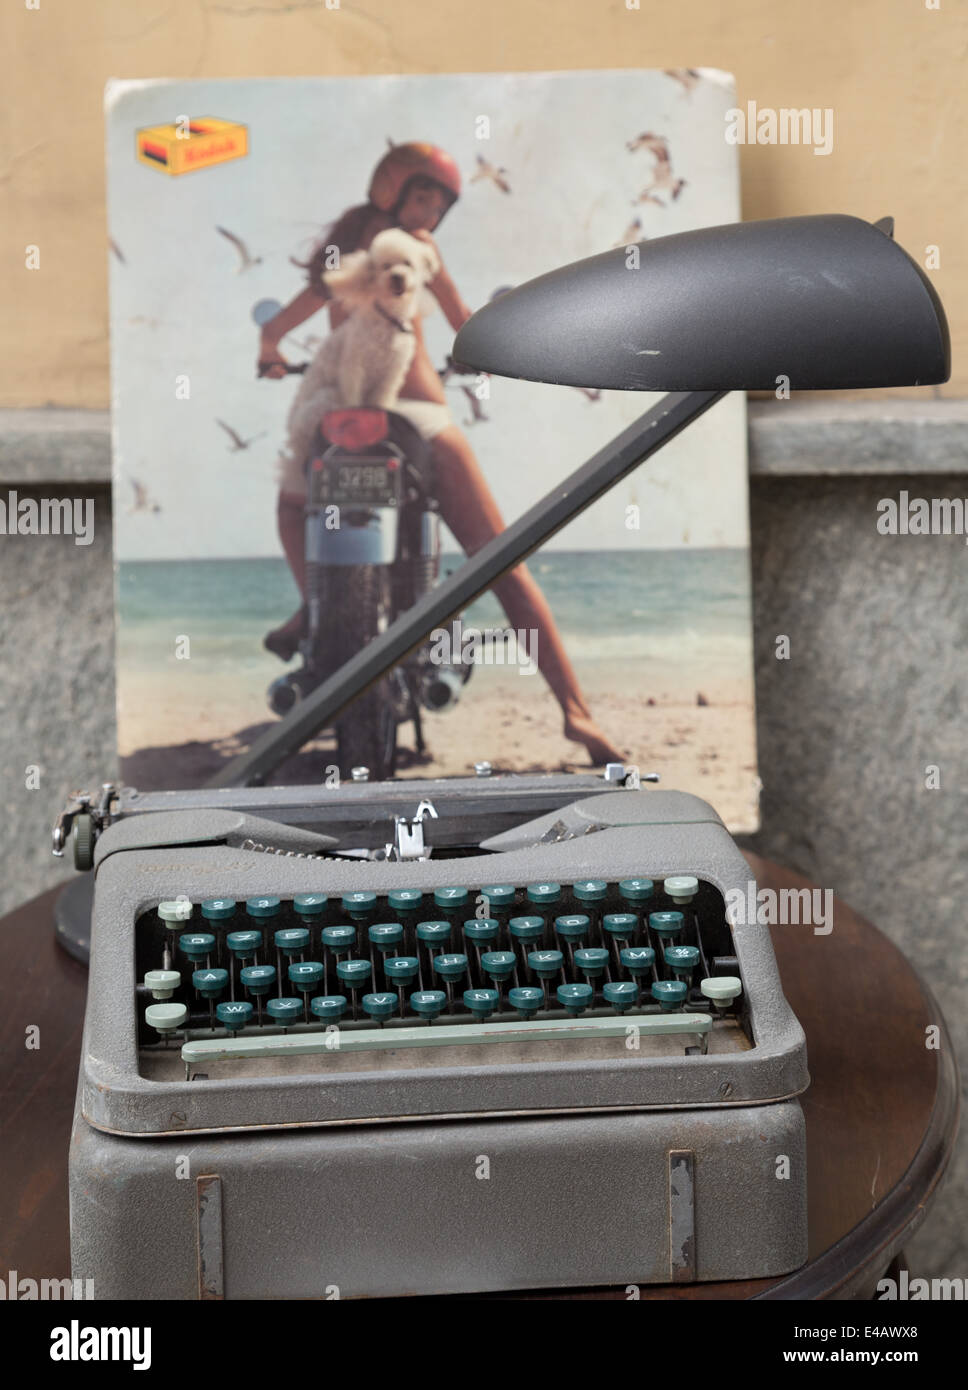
802,437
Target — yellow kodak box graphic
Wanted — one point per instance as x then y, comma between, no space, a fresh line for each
182,146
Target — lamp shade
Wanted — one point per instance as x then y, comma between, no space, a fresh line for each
828,302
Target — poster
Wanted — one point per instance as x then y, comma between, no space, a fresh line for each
634,629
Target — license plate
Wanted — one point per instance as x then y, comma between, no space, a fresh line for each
357,483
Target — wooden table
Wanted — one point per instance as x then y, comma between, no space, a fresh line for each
881,1109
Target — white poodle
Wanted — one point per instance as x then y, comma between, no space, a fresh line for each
365,360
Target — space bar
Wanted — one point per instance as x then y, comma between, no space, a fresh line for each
440,1035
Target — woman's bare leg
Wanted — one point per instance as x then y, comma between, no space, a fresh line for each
290,514
469,508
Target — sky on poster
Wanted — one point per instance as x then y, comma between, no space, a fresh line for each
179,306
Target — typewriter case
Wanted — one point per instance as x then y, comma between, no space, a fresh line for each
431,1170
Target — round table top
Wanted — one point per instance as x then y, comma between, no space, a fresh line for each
881,1109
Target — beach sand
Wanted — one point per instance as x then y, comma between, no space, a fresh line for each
509,720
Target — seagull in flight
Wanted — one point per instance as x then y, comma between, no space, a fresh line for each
486,170
246,260
142,502
238,443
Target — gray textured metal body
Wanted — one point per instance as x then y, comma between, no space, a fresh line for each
442,1208
373,1166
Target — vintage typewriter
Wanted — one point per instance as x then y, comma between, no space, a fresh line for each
479,1034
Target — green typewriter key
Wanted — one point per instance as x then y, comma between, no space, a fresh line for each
682,961
574,927
339,939
284,1011
481,1002
575,998
244,944
359,904
450,967
405,899
210,983
385,935
620,926
723,990
526,1001
379,1006
166,1018
356,974
682,888
498,965
544,894
450,898
258,979
669,994
434,933
592,962
263,907
526,928
638,960
400,969
305,975
546,964
291,940
197,945
309,905
591,890
636,890
162,984
233,1016
218,909
481,930
621,994
428,1003
329,1007
666,925
498,895
525,932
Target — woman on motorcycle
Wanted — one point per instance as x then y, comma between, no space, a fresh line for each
412,187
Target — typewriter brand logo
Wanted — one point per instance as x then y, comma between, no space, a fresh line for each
15,1288
76,1343
922,516
767,125
48,516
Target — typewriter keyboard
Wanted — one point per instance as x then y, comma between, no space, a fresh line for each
313,976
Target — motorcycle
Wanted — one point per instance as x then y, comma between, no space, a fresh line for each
372,550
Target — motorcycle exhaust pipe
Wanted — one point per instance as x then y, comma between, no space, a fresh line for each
440,688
